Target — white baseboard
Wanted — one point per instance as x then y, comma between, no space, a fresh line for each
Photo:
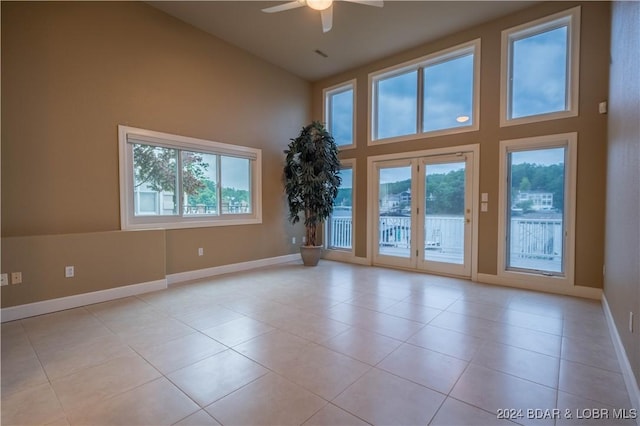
227,269
345,257
53,305
577,291
625,365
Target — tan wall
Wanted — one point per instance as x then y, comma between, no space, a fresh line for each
73,71
622,242
591,128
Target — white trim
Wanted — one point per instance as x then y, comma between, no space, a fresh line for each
623,360
570,141
128,221
572,19
471,47
227,269
548,287
337,88
345,257
53,305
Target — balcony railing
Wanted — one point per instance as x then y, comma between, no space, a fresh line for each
535,243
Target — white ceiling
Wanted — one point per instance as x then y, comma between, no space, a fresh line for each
360,33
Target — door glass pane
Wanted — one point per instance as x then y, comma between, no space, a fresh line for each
155,178
341,221
397,105
394,206
444,212
199,183
536,210
235,177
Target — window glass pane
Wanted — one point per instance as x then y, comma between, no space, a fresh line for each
341,117
341,221
199,177
448,94
536,213
539,73
397,105
155,176
236,188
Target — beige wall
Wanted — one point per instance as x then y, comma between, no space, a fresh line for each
73,71
622,242
590,125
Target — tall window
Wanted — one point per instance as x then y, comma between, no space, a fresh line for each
538,212
173,181
540,69
434,94
340,229
340,113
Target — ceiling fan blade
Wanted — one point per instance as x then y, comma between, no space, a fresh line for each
376,3
285,6
327,19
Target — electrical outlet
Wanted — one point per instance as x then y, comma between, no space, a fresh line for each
4,279
69,272
200,251
293,240
16,278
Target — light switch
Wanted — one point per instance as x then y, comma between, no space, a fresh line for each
484,197
484,207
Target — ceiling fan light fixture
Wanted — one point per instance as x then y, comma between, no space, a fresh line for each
319,4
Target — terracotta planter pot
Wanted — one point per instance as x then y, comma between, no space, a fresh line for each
310,255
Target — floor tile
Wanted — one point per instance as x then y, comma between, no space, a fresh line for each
363,345
593,383
237,331
384,399
448,342
330,415
269,400
323,371
457,413
274,349
212,378
575,410
536,341
181,352
21,370
155,403
35,405
538,368
542,323
427,368
591,353
413,312
491,390
199,418
90,385
476,327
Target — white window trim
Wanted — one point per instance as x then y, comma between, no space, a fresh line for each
339,253
570,17
473,46
338,88
532,279
128,220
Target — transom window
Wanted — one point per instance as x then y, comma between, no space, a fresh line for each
172,181
340,113
540,69
437,94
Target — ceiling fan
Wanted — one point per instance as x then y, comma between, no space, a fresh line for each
324,6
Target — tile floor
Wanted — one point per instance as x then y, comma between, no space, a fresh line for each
333,345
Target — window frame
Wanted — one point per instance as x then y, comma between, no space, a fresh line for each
571,18
336,253
128,136
540,279
471,47
326,111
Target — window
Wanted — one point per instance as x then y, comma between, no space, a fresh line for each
433,95
340,230
537,214
540,69
340,113
172,181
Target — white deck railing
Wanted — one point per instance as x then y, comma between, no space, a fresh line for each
532,240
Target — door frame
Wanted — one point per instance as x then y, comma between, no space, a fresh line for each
410,155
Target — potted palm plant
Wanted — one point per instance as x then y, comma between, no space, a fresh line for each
311,182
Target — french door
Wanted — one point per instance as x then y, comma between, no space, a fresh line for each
423,214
